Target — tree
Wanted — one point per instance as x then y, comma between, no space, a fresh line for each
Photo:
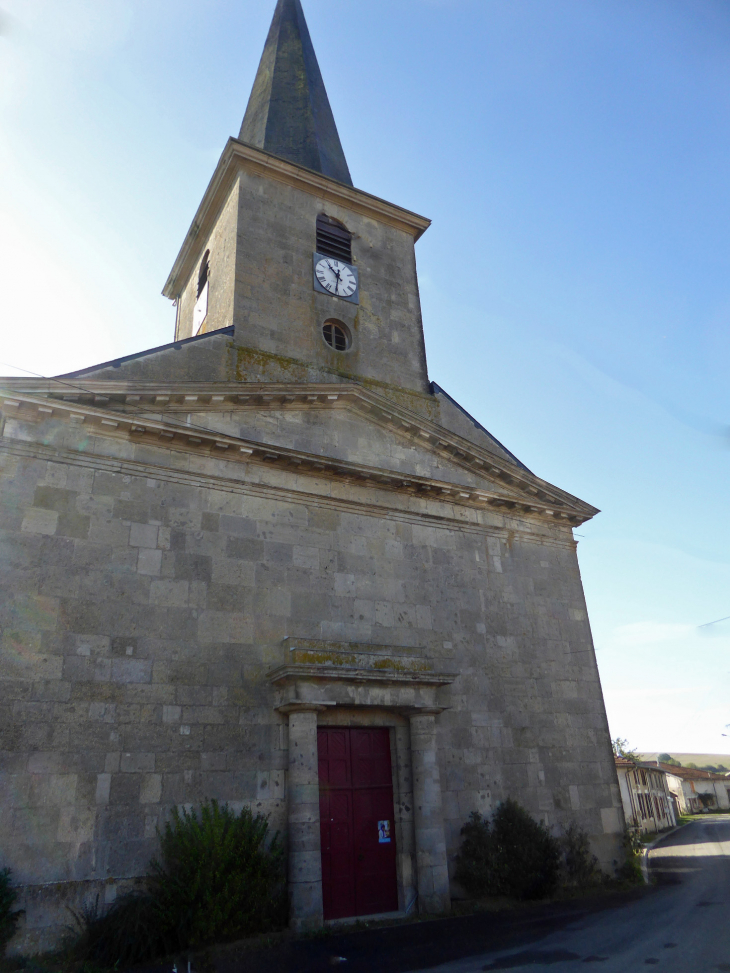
622,749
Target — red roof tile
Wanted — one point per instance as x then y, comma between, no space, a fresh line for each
689,773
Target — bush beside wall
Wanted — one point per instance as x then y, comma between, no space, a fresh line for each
8,918
511,855
218,878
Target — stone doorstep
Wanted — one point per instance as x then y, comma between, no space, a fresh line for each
375,917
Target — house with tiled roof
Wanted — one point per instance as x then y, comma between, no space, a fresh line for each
697,790
645,795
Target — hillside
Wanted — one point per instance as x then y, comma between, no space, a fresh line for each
701,759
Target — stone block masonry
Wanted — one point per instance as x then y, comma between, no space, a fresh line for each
143,611
211,548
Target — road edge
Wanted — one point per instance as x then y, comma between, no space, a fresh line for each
647,849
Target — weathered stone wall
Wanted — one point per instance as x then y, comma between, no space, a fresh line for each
221,242
145,593
265,238
278,311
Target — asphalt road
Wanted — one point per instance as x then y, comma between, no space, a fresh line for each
682,927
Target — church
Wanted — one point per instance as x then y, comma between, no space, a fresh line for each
273,563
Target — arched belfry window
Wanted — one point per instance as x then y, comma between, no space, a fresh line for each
333,239
204,272
200,310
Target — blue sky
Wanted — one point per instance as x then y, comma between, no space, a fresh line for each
574,158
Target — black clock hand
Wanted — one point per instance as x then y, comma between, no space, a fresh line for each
337,274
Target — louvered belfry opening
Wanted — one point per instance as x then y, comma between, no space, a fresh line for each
333,239
204,272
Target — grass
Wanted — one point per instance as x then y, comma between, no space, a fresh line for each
686,818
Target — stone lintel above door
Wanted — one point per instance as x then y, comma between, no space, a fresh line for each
356,674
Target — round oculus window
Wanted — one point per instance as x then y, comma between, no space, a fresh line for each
337,335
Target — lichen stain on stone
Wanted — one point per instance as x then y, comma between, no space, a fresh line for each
399,666
360,661
252,365
264,363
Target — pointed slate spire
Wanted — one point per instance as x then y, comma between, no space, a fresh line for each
289,113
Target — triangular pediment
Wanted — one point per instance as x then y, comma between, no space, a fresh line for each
345,434
343,431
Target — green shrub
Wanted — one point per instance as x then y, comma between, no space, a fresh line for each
512,855
8,918
630,870
580,865
216,879
128,932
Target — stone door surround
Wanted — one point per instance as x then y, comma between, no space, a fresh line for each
318,677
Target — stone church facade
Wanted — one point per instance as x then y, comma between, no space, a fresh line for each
272,563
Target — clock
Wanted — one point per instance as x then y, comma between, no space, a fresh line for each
332,276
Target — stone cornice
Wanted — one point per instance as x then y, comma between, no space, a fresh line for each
400,508
239,155
295,673
126,409
356,662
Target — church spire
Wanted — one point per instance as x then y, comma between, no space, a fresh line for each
289,113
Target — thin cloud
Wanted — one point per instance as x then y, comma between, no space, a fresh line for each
650,633
647,692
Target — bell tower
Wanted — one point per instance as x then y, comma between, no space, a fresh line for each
318,278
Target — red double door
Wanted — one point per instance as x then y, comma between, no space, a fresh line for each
356,822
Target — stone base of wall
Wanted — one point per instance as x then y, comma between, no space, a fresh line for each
49,911
609,850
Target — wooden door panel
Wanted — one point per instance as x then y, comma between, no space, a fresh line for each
371,758
356,796
335,824
376,889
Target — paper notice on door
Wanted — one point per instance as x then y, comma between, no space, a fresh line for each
384,832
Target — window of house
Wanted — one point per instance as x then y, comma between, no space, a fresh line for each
200,310
333,239
336,334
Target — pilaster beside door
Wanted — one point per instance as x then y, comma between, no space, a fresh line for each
305,859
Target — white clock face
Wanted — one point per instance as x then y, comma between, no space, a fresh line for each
336,278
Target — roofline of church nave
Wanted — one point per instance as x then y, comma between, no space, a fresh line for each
154,417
